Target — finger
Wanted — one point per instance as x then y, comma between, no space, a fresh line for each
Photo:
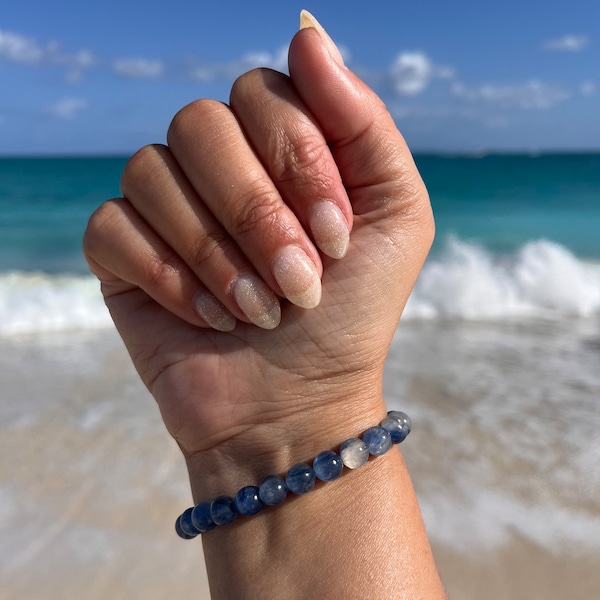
374,161
393,227
157,188
209,144
126,255
296,156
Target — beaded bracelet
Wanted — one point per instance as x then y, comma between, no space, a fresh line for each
300,478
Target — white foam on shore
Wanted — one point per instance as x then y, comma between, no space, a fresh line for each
38,302
542,279
490,519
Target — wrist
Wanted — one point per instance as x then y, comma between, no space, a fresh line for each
352,537
271,447
371,507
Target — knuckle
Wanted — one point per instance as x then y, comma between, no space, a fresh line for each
259,209
302,160
161,271
205,248
141,167
242,85
190,117
101,220
250,86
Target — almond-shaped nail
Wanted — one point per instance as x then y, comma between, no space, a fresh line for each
213,312
308,20
257,301
297,277
329,228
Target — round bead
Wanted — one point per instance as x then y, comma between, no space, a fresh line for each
184,527
182,533
247,501
378,440
401,417
328,465
300,478
354,453
222,510
272,490
397,430
201,517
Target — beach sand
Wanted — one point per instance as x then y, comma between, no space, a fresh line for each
90,485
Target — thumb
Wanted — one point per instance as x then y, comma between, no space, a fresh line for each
389,200
368,147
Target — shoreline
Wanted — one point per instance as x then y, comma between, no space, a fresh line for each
90,482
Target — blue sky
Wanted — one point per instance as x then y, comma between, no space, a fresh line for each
107,77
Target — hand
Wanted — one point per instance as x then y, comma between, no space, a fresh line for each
232,216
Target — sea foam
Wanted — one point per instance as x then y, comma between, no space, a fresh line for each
37,302
464,281
542,279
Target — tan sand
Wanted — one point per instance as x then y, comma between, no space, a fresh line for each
519,571
90,485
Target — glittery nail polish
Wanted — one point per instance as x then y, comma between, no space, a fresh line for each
297,277
257,301
213,312
329,229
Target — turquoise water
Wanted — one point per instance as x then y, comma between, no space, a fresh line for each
516,235
44,206
498,201
504,201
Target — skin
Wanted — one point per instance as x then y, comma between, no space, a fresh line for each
234,186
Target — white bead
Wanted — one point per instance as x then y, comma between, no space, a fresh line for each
354,453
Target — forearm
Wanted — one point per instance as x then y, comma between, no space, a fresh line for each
356,537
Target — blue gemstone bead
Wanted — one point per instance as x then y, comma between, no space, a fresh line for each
247,501
397,430
328,465
354,453
272,490
182,533
401,417
300,478
222,510
201,517
184,527
378,440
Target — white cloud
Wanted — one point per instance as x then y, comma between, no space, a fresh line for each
19,49
588,88
533,94
412,72
567,43
276,60
67,108
230,70
78,63
432,116
138,68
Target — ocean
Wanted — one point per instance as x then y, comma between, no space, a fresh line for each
497,359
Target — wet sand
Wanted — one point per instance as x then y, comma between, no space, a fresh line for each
90,485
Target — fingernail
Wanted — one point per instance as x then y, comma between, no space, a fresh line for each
213,312
297,277
257,301
329,229
307,20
